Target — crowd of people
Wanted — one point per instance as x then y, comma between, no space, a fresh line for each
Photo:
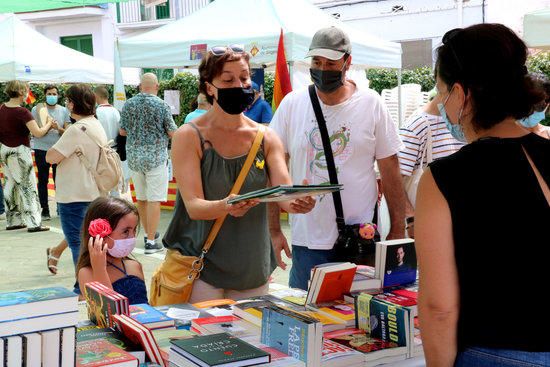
477,152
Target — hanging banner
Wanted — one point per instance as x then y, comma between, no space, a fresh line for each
119,94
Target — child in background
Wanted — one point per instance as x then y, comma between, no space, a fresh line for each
109,236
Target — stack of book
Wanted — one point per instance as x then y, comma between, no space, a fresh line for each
103,303
38,327
293,333
151,317
139,335
385,320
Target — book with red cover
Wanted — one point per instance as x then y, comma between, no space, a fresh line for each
361,341
101,306
330,283
122,301
396,299
99,352
411,291
139,334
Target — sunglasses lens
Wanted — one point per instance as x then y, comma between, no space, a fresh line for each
218,50
237,48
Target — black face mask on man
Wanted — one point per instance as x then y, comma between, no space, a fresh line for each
235,100
327,81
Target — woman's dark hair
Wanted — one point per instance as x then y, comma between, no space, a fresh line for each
211,66
488,60
109,208
83,99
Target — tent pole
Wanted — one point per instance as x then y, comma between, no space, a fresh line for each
399,98
291,72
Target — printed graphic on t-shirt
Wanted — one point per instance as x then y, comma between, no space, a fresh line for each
341,150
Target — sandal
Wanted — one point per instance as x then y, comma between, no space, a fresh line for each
51,267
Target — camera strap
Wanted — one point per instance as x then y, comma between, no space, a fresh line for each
331,167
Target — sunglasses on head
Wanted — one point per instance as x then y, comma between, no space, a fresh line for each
447,38
220,50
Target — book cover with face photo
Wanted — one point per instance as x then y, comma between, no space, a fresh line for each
396,262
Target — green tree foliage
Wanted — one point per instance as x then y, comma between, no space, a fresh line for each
380,79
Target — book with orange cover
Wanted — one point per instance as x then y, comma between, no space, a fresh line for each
330,282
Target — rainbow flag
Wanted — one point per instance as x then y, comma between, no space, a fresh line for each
30,98
281,85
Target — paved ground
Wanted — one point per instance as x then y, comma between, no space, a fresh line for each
23,258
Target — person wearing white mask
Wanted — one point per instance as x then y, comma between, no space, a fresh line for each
108,238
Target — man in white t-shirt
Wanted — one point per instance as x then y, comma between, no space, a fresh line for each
361,133
108,116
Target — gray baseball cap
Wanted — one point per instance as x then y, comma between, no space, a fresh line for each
331,43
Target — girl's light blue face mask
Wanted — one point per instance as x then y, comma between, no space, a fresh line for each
534,119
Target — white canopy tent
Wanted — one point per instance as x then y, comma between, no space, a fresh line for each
29,56
536,29
256,24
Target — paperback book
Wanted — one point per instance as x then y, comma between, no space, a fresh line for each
396,262
217,350
330,282
96,353
292,333
286,192
150,317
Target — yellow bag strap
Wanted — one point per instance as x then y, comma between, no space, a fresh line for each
236,188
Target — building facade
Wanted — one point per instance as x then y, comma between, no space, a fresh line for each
419,24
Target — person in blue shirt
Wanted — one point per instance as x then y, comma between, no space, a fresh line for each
202,107
260,111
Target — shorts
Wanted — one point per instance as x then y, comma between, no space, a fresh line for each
151,185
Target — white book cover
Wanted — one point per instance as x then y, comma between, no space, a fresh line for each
68,347
50,348
14,351
35,324
33,349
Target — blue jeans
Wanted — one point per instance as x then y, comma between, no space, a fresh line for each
485,357
303,260
72,217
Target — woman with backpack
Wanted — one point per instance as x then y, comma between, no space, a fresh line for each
77,148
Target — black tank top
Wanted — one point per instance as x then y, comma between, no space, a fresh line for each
501,231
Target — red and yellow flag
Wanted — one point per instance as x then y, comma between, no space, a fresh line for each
30,98
281,85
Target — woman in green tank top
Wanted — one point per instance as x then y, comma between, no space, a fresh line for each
207,157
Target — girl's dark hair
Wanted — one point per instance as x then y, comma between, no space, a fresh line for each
83,99
488,60
211,66
109,208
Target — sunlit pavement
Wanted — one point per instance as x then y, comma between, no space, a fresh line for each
23,257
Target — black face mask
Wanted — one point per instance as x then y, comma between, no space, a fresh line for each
327,81
235,100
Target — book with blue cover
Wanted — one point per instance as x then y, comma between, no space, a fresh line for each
150,317
36,303
294,334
